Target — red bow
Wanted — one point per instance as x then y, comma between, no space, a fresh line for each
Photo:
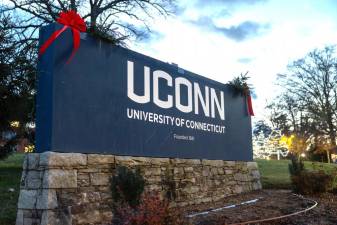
72,20
249,105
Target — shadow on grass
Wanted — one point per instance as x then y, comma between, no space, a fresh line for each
10,175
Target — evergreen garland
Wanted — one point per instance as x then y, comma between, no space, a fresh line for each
240,84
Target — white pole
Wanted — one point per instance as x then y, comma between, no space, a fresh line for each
278,154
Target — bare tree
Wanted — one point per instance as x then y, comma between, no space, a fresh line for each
289,116
17,81
20,20
310,96
116,20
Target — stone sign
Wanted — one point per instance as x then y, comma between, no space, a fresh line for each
188,135
112,100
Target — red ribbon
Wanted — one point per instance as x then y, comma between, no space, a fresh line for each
72,20
249,105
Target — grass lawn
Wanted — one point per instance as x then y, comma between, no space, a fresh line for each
274,175
10,175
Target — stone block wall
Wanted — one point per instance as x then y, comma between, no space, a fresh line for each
74,188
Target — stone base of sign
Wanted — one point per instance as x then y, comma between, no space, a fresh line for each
73,188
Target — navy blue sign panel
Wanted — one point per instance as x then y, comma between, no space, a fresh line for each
109,99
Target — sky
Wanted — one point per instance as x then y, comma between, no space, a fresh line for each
220,39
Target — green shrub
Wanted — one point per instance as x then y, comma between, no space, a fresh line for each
133,206
296,166
312,182
127,186
309,182
170,184
152,210
8,148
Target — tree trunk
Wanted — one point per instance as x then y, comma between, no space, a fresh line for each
93,17
73,5
328,156
332,136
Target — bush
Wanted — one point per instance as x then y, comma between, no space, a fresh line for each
309,182
150,211
312,182
127,186
170,184
133,207
296,166
8,148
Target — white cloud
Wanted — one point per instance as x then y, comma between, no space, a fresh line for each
296,27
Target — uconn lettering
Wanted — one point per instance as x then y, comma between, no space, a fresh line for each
209,101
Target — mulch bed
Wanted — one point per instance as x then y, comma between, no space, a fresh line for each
271,203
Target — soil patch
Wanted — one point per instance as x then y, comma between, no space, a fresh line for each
266,204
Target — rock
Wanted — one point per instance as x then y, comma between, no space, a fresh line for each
25,163
90,169
215,163
33,161
238,189
193,161
90,217
240,164
34,183
107,216
72,188
206,200
53,159
228,171
154,179
58,178
198,201
229,163
217,198
27,199
205,171
100,159
83,179
160,161
189,180
191,189
33,179
178,171
257,185
231,183
241,177
252,166
100,178
177,161
19,217
255,175
27,221
120,160
142,160
152,172
188,169
47,199
153,187
182,204
85,198
217,182
132,161
94,196
60,217
221,171
214,171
